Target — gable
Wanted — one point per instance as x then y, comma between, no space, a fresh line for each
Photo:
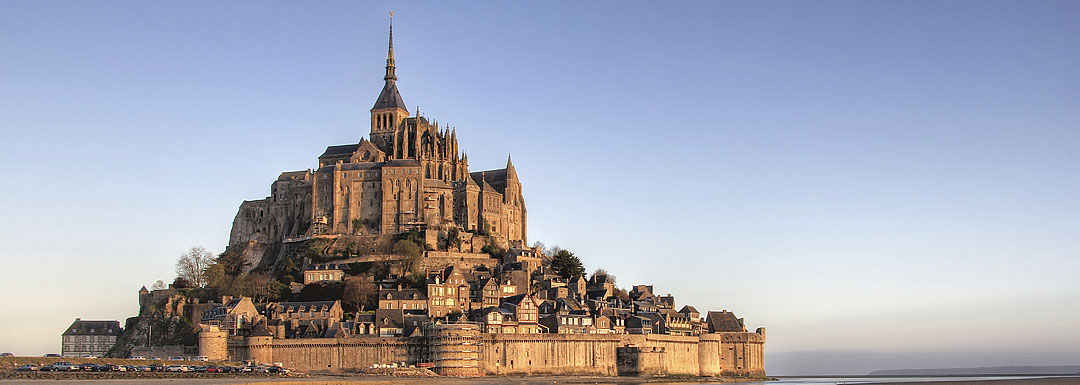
367,152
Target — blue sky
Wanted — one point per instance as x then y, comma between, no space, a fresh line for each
880,184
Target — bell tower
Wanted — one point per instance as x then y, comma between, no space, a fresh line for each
389,113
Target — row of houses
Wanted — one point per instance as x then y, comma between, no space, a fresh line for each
518,296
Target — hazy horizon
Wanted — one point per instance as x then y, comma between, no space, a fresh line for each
882,185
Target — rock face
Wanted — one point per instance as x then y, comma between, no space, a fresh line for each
165,324
410,175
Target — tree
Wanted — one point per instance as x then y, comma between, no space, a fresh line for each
181,283
215,276
566,264
159,285
551,251
232,263
264,288
453,239
360,292
289,272
411,253
493,250
622,295
192,265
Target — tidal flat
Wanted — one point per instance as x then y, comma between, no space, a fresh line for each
546,380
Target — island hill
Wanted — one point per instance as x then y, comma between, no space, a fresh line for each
393,251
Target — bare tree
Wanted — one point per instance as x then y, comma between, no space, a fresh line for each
192,265
159,285
263,288
360,292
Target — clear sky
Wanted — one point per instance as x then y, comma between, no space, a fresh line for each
880,184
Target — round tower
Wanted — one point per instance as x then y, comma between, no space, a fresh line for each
455,349
260,345
213,343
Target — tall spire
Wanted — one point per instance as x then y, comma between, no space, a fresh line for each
390,98
390,75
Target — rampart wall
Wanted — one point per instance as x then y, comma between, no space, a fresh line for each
342,353
734,353
583,354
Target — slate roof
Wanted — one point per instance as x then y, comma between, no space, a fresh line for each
402,163
389,318
360,166
288,307
488,179
389,97
261,330
340,150
724,321
435,183
403,294
596,294
93,328
327,266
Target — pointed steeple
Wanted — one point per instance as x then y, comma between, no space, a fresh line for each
511,173
390,75
390,98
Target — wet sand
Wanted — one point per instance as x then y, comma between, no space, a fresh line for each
545,380
1019,381
376,380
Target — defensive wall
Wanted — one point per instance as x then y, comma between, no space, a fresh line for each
462,350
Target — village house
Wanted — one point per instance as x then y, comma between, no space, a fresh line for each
529,260
409,300
302,316
89,338
324,272
447,291
235,315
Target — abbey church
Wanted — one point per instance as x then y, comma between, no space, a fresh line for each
409,174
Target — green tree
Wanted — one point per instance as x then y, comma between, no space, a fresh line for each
289,272
215,276
453,239
567,265
232,262
492,249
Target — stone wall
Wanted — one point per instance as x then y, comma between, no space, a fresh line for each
564,354
734,353
344,353
439,259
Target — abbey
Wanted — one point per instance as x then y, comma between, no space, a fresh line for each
409,174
